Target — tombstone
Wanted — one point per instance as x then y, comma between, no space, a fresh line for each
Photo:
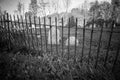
52,36
72,41
33,26
39,36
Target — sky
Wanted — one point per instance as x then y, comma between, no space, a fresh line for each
11,5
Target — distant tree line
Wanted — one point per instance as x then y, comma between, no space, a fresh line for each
105,12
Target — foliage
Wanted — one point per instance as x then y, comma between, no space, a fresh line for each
19,7
33,7
105,10
116,10
94,9
101,10
0,11
71,22
29,13
67,4
42,7
23,64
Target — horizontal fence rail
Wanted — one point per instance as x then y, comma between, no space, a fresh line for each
91,45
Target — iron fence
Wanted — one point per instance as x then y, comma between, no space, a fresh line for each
96,45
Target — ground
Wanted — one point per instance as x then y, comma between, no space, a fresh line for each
24,64
21,63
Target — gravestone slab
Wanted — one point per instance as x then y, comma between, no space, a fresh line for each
52,36
72,41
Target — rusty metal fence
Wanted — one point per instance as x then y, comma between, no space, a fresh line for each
95,45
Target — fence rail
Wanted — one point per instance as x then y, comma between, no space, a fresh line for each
89,43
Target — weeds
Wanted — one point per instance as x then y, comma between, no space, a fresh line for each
23,65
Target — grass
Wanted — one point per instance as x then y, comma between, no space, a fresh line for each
24,64
28,64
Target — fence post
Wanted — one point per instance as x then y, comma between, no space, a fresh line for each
62,37
36,32
75,39
56,35
12,29
16,30
83,41
0,21
45,33
98,48
31,32
9,43
69,38
108,47
40,33
23,31
50,33
1,24
91,36
4,19
28,38
20,33
0,29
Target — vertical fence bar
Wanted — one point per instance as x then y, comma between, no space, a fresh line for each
27,32
116,58
1,30
12,29
62,37
108,47
20,33
99,42
9,43
75,39
15,29
0,21
69,39
5,26
91,36
36,31
40,33
45,33
4,22
56,35
31,32
83,41
50,33
23,31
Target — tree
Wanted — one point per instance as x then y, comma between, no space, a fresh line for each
55,5
42,7
105,10
33,7
0,11
101,12
94,9
27,14
72,22
19,7
67,4
116,10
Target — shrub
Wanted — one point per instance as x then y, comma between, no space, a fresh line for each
72,22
